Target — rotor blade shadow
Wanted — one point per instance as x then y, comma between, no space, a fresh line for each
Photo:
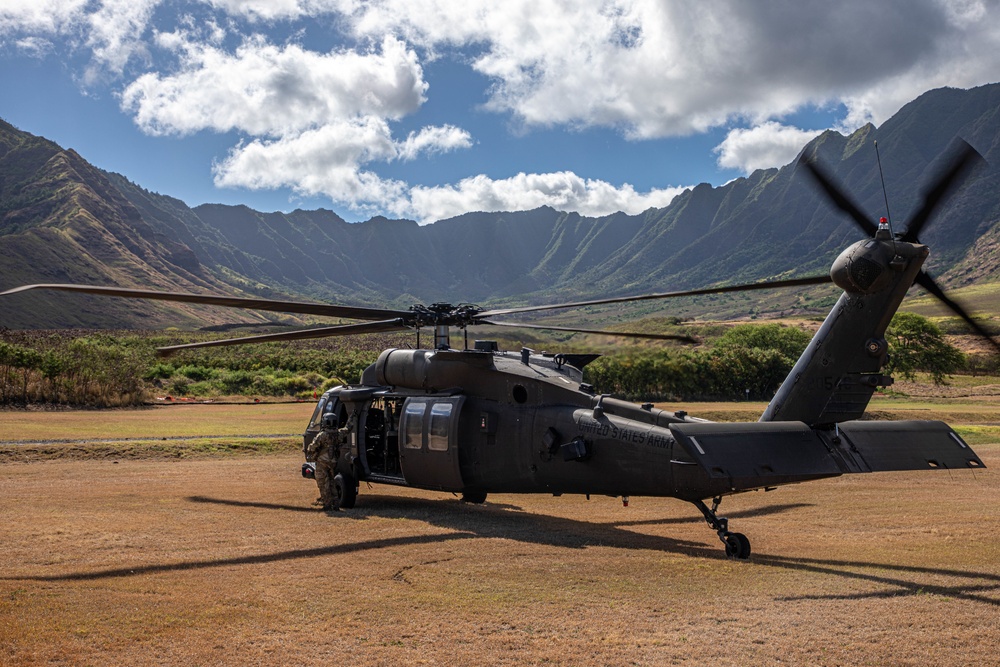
979,581
294,554
249,503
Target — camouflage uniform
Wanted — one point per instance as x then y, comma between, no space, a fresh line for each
325,450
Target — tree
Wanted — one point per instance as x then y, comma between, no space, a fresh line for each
788,341
917,344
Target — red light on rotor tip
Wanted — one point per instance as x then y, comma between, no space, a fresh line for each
883,221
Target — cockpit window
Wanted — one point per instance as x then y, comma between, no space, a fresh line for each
317,415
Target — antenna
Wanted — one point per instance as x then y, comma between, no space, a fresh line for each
885,196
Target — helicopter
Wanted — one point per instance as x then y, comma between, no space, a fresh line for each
478,421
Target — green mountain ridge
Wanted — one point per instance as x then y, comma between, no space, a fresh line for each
63,220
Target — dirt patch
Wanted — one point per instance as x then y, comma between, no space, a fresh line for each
224,560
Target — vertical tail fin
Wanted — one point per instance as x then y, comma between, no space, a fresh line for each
834,379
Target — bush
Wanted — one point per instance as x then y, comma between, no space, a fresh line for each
196,373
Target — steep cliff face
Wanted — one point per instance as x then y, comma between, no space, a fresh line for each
62,220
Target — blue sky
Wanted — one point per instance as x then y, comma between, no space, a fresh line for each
426,109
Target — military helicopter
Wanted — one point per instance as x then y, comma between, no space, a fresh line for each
479,420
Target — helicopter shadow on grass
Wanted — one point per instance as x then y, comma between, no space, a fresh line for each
740,514
463,520
504,521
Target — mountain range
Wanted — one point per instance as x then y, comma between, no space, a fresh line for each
64,220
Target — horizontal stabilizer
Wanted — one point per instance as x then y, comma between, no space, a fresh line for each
909,445
758,453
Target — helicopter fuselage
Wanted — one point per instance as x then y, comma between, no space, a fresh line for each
477,422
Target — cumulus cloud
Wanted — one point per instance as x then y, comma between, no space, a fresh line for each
322,122
330,161
267,89
659,68
115,34
561,190
40,17
327,161
767,145
111,30
434,140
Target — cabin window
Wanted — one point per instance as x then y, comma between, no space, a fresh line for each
440,426
414,424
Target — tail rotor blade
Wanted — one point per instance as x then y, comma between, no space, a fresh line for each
934,196
925,281
837,196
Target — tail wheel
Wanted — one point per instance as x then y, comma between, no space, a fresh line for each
345,491
476,497
737,546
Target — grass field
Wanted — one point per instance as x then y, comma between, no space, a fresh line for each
203,558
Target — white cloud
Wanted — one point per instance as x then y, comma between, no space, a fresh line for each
277,10
265,89
434,140
330,161
40,17
112,30
767,145
561,190
320,122
659,68
116,34
325,161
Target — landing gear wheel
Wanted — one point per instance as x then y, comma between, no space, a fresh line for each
345,492
475,497
737,546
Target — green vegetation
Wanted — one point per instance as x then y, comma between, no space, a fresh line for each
750,361
917,344
121,369
747,361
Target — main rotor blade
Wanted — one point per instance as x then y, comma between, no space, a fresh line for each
299,307
934,196
549,327
302,334
925,281
793,282
837,196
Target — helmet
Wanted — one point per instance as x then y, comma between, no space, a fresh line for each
330,421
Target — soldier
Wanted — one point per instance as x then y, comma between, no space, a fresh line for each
325,451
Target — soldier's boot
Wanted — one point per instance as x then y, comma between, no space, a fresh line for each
326,499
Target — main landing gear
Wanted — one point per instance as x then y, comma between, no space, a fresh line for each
737,544
345,491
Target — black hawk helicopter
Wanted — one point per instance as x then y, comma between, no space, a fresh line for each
478,421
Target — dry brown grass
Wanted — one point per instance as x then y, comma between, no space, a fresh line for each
207,561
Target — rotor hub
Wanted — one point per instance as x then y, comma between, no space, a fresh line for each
443,314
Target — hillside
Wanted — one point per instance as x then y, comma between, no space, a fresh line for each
62,220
